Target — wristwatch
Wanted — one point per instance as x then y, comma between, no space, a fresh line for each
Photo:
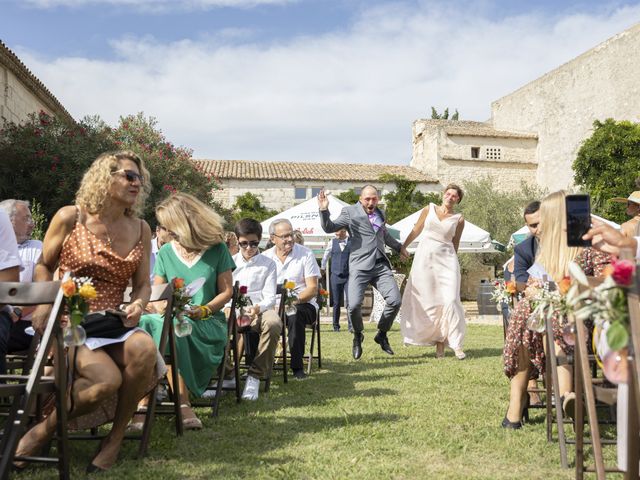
18,312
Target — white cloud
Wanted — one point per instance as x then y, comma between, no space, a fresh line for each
349,96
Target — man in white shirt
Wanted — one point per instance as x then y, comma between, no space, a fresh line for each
295,263
257,273
9,272
161,237
29,252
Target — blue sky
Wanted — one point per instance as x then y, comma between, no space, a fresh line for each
297,80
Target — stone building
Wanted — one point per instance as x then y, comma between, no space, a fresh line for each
22,92
535,132
284,184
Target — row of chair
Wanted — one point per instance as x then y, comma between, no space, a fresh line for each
26,390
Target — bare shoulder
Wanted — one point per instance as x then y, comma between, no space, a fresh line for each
66,217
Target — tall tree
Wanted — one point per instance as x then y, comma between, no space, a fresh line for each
608,164
405,199
249,205
444,115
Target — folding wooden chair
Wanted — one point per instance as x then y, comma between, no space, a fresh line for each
633,420
24,388
163,292
586,388
230,348
281,360
315,337
552,392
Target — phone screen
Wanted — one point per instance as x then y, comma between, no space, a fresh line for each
578,219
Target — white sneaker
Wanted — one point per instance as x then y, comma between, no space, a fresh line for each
251,388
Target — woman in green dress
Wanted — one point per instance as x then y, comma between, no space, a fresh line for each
196,250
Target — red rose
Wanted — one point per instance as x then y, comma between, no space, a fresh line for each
178,282
623,271
243,289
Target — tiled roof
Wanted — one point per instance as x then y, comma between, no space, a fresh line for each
358,172
20,70
475,129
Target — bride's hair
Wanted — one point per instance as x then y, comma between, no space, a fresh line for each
453,186
553,253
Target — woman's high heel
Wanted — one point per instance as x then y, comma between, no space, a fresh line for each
511,425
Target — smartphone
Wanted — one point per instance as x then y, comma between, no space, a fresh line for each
119,313
578,208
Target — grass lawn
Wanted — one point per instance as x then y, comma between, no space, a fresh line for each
408,416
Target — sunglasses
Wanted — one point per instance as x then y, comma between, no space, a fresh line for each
252,244
130,175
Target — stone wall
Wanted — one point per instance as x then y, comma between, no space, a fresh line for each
470,281
280,195
562,105
17,101
507,161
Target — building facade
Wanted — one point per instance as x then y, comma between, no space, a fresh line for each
22,92
534,133
280,185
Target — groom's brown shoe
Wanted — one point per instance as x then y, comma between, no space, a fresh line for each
382,340
357,345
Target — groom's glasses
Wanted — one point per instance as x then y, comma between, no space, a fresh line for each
252,244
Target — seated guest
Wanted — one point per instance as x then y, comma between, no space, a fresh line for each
9,272
525,252
29,251
631,228
297,264
196,250
101,237
258,274
523,350
159,239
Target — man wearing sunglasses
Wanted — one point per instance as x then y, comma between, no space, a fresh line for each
258,273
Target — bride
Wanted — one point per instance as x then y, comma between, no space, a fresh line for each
431,309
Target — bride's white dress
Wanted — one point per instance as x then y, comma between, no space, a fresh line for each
431,307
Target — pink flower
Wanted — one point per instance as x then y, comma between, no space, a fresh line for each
623,271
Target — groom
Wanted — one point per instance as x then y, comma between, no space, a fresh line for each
368,262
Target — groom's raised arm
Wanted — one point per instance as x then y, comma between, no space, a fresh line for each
330,226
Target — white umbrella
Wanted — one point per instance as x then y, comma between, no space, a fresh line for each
473,240
306,217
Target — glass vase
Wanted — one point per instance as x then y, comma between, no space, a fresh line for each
74,336
182,327
290,310
243,320
536,322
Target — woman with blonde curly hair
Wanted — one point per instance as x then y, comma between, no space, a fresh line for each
196,250
101,237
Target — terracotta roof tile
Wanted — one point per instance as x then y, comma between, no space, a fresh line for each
475,129
359,172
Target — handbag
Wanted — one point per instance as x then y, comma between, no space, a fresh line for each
104,324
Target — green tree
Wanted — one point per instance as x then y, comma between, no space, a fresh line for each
498,212
44,158
405,199
248,205
608,164
171,167
349,196
444,115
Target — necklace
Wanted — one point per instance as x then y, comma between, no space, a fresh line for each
184,253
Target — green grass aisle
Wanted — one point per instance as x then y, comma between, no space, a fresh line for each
408,416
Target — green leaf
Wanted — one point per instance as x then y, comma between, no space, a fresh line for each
617,336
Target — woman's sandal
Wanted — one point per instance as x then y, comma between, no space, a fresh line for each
192,423
137,422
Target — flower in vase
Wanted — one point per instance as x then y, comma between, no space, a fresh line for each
178,283
244,289
69,288
290,285
88,292
564,285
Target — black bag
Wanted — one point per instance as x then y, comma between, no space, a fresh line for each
104,324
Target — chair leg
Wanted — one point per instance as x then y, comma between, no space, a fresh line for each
579,420
148,423
558,404
236,362
284,351
61,406
310,356
175,387
319,350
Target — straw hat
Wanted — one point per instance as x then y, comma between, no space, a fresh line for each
634,197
